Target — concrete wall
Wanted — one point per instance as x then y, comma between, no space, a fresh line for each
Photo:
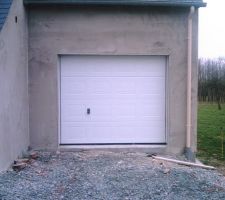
14,135
114,31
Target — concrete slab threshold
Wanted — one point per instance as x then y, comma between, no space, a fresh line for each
115,148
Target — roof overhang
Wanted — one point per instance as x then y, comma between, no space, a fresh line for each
171,3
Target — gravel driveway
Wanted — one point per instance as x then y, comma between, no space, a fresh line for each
109,175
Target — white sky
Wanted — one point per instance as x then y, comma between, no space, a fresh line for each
212,29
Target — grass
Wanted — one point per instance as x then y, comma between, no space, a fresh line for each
210,122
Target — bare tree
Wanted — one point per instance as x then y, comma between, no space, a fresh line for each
211,79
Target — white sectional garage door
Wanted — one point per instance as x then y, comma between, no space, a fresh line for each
112,99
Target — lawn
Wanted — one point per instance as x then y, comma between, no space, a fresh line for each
210,122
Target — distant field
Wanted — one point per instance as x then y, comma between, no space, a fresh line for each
210,122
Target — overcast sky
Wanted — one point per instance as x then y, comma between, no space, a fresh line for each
212,29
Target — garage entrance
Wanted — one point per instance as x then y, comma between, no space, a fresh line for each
113,99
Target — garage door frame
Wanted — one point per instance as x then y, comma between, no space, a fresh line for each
114,144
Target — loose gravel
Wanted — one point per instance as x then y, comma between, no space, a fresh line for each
109,176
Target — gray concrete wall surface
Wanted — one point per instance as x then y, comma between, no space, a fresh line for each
14,134
54,31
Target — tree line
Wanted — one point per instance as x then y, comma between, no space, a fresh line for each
211,80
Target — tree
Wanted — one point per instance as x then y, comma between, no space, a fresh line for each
211,79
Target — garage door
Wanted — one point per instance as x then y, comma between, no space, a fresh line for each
112,99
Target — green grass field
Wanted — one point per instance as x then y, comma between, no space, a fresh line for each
210,122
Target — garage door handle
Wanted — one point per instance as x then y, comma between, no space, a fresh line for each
88,111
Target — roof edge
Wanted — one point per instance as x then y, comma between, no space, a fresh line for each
114,2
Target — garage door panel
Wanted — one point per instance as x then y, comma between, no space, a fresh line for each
124,110
127,134
73,113
72,99
103,110
87,99
69,131
93,66
126,137
127,85
114,112
73,85
119,123
109,98
150,85
125,94
150,110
